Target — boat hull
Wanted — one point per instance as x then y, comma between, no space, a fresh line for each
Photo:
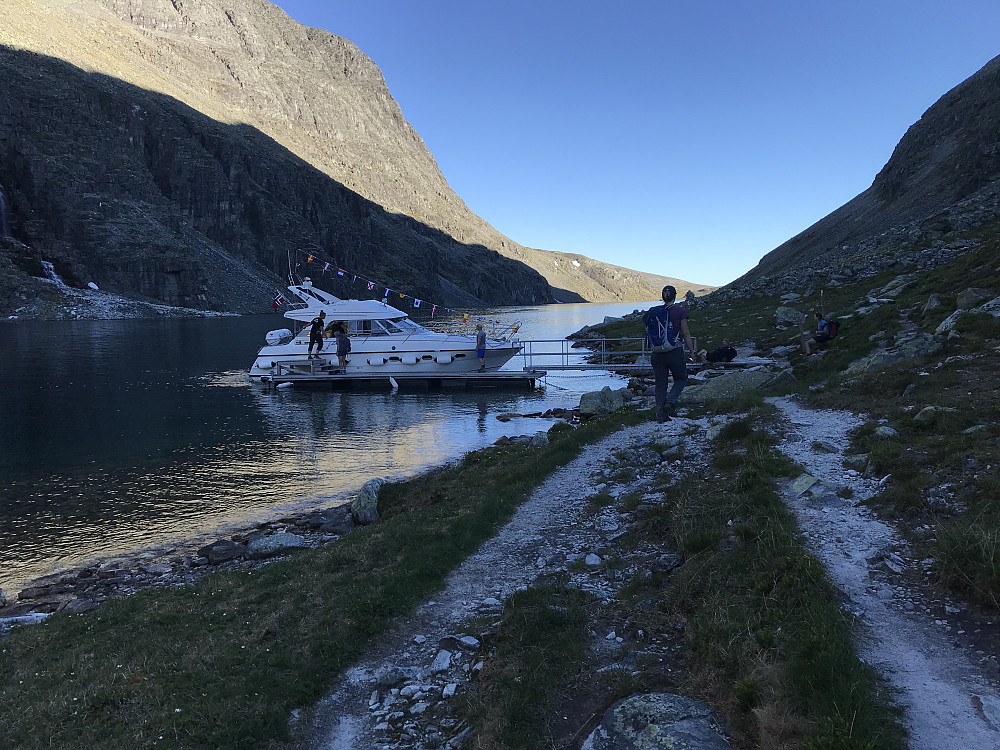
399,358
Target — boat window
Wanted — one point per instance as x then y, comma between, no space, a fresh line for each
409,326
389,326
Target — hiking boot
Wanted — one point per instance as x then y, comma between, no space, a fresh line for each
662,415
671,410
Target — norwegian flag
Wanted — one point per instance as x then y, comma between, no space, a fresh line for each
341,271
371,285
416,303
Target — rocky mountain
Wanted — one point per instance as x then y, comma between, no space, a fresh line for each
943,178
176,149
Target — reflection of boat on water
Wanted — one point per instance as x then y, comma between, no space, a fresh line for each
385,344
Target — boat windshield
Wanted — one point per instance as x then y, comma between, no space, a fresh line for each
387,327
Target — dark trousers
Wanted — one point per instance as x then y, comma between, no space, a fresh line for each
668,364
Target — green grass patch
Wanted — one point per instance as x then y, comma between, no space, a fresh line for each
222,663
768,641
539,654
968,549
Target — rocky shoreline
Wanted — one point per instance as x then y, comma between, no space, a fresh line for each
84,588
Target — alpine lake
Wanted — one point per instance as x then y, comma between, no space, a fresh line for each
122,435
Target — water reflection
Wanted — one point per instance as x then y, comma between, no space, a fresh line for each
121,434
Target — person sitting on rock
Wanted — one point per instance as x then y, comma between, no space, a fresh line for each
821,336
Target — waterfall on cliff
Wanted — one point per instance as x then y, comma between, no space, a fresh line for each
50,271
4,223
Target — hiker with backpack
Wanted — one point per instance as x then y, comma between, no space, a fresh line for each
666,333
822,335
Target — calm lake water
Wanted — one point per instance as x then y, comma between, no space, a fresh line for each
120,435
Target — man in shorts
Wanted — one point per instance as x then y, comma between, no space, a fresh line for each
343,348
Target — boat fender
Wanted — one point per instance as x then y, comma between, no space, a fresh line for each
283,385
279,336
444,359
376,361
409,360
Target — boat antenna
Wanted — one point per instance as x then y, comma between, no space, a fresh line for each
293,277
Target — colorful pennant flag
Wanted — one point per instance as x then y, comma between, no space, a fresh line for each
465,318
433,310
341,271
309,259
371,285
326,266
416,303
388,291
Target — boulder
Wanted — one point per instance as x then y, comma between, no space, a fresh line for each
948,323
923,345
897,285
221,551
275,544
733,384
364,507
539,439
657,721
933,301
990,308
604,401
788,317
885,432
929,414
973,297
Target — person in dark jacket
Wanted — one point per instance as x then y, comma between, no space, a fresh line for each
724,353
343,348
672,364
316,333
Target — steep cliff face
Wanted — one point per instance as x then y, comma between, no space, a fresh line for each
144,195
315,94
943,177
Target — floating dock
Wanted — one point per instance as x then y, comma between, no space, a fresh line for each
321,374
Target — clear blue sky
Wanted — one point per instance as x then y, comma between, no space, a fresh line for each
680,138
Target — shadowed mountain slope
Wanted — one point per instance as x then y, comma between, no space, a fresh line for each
943,177
148,197
315,94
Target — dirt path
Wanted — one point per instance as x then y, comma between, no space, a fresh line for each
397,696
923,647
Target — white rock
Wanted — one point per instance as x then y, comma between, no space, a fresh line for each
441,662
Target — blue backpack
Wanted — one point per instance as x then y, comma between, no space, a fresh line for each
660,331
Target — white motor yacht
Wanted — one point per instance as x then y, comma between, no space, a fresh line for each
383,341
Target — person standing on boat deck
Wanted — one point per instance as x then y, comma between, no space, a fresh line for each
673,363
343,348
481,346
316,333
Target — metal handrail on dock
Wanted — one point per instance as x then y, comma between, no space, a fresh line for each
586,354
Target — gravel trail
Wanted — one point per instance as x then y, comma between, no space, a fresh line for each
949,699
546,530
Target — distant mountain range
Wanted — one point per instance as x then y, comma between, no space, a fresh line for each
942,179
174,151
